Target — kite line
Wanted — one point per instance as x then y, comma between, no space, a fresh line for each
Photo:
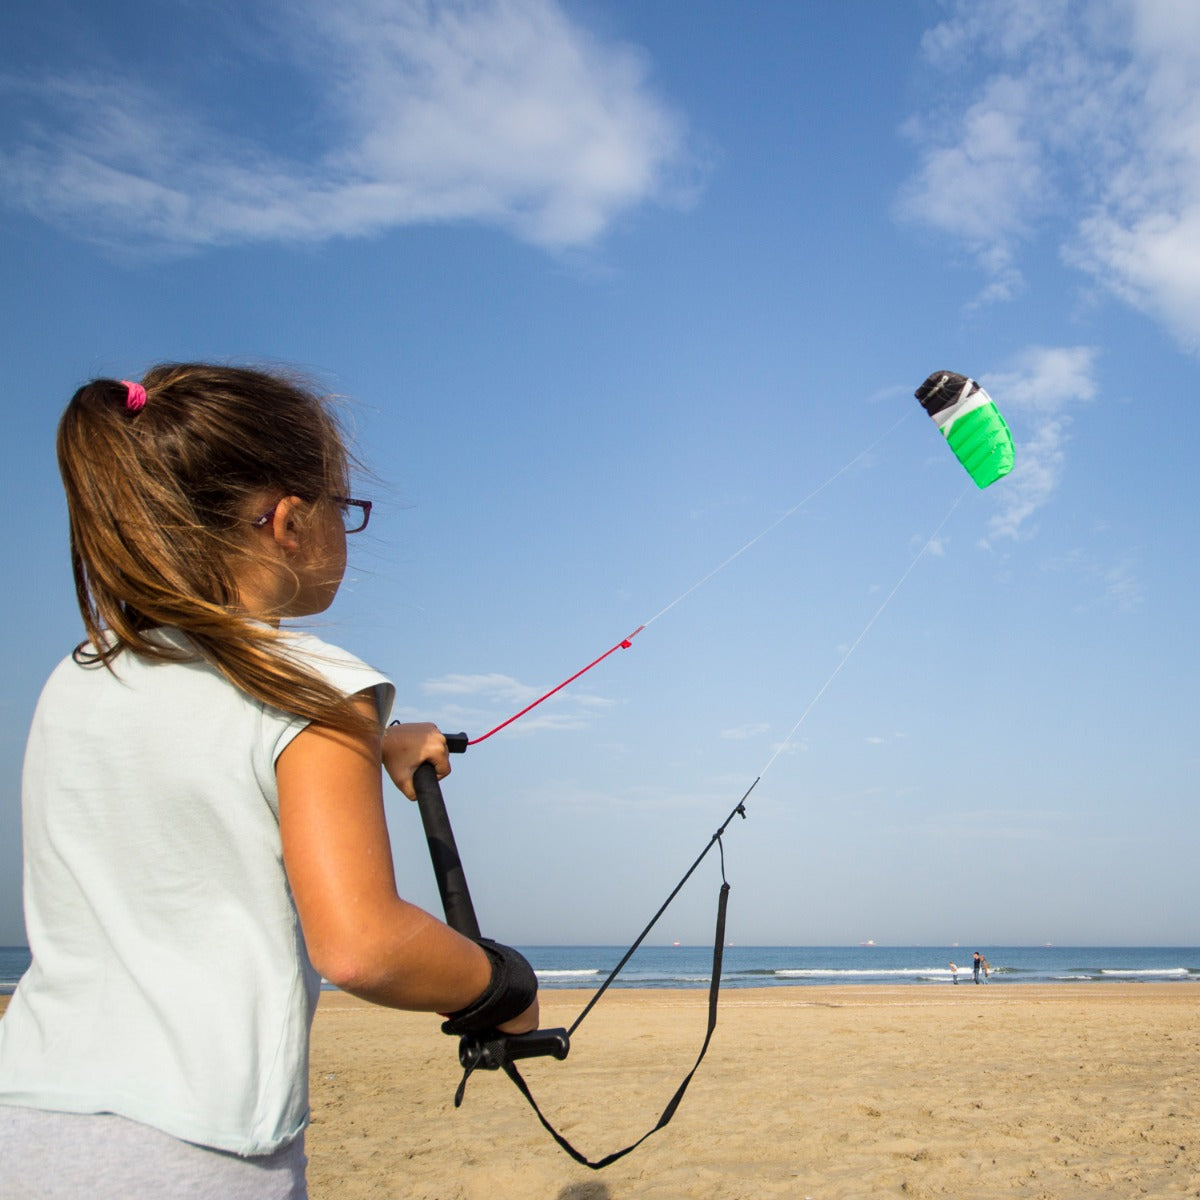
739,809
627,641
501,1052
980,438
929,541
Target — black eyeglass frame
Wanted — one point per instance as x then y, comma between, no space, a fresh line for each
346,502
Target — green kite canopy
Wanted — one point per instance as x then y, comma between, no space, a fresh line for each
971,423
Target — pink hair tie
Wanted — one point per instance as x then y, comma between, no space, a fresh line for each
135,395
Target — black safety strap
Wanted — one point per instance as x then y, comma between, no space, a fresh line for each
714,988
499,1052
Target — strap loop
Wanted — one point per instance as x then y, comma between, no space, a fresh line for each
664,1120
498,1053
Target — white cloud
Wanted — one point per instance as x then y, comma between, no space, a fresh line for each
996,825
984,188
1113,584
1043,385
500,688
1122,586
1072,124
481,701
753,729
501,112
1153,262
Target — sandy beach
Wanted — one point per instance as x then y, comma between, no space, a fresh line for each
1053,1092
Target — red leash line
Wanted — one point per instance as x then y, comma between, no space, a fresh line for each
623,644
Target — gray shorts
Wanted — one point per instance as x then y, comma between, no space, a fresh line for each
68,1156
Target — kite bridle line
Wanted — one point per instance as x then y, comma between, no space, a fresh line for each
500,1051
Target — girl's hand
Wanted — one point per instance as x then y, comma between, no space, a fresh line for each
525,1023
407,746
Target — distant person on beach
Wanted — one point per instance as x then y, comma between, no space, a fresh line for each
987,969
203,818
954,973
977,965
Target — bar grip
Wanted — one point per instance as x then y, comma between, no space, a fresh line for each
447,866
490,1054
540,1043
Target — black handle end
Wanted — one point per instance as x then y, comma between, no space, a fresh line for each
491,1053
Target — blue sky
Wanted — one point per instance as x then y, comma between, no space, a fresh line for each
610,288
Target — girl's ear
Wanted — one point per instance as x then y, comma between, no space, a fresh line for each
285,526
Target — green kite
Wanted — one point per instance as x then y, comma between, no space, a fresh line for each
971,423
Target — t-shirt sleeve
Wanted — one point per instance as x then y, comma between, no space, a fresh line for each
350,675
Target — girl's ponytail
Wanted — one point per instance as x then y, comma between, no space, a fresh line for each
158,476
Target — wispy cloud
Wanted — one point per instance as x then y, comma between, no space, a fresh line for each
889,739
493,687
740,733
482,701
1044,385
500,112
1123,586
986,826
1076,125
1115,584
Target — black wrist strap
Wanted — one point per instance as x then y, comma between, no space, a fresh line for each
510,992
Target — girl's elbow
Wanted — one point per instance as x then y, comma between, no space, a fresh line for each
348,964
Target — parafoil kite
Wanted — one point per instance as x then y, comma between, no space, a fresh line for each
971,423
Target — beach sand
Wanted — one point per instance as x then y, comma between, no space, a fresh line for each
1055,1092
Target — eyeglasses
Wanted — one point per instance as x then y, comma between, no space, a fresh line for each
355,514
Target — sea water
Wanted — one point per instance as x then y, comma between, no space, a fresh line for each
798,966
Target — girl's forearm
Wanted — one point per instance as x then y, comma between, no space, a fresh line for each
404,958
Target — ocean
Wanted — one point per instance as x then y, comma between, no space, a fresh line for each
801,966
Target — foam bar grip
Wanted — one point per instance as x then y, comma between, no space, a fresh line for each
490,1054
447,866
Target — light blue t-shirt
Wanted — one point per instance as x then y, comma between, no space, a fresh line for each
170,982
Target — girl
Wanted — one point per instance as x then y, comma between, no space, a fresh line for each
204,831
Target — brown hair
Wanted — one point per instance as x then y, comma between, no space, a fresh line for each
157,497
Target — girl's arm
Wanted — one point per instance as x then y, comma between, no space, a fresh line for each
360,934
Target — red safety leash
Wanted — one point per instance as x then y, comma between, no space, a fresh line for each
623,644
